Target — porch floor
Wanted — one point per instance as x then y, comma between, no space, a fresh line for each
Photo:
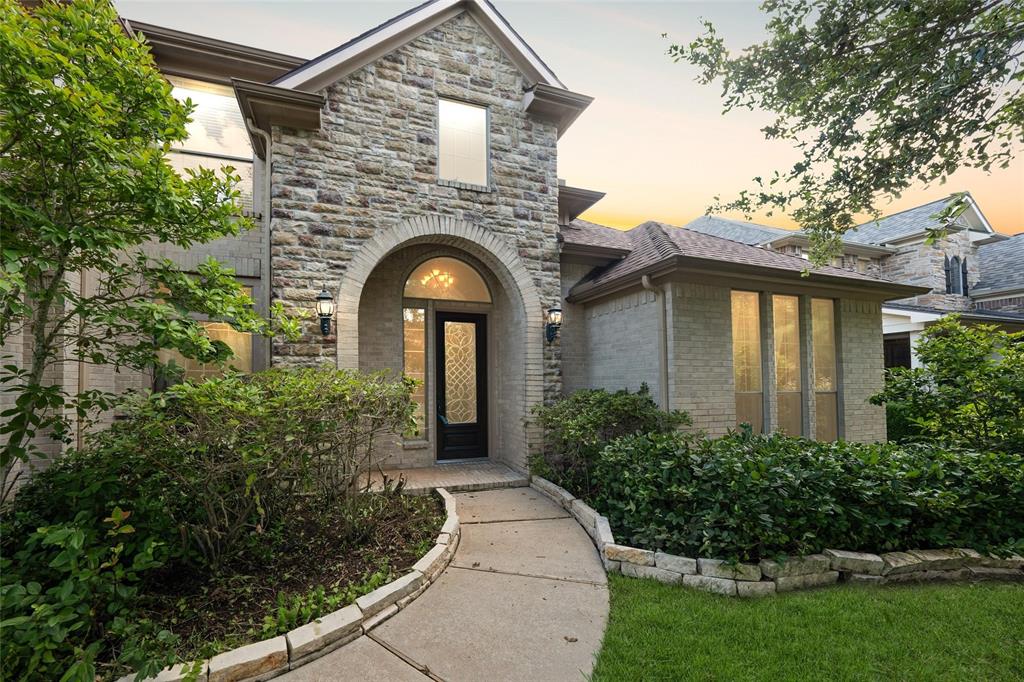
456,477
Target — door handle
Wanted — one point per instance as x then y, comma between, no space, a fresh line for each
443,419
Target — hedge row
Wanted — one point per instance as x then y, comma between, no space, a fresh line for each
747,496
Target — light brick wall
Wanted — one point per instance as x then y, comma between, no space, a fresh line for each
622,342
700,355
862,370
573,338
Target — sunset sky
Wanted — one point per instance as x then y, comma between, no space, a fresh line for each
654,139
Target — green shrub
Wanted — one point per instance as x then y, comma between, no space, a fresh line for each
747,497
576,428
203,471
968,391
68,598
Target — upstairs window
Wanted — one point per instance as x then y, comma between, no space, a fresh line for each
216,134
954,272
462,142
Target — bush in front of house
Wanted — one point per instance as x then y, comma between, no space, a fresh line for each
578,427
197,477
968,390
748,497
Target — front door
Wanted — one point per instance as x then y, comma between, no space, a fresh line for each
461,385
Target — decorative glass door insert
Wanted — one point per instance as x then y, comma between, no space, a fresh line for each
460,372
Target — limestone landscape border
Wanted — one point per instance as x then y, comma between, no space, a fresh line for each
273,657
792,573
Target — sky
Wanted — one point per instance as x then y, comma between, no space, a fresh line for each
654,139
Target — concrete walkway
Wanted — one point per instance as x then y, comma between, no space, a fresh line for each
525,598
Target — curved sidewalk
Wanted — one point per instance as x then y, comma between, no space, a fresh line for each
525,598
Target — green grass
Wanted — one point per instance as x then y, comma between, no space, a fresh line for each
923,632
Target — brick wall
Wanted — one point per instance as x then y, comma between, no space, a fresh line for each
622,342
700,355
1010,304
861,369
573,339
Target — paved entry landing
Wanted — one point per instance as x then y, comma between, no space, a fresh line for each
525,598
455,477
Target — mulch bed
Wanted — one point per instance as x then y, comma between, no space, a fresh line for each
311,548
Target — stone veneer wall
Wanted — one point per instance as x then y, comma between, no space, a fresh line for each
924,265
861,370
373,165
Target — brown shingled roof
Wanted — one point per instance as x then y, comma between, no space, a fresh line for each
581,233
657,244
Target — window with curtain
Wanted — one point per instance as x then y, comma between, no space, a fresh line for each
415,359
746,359
826,379
462,142
788,384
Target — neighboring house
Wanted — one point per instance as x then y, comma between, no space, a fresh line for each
972,271
413,176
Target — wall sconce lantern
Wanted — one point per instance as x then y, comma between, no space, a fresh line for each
325,310
554,324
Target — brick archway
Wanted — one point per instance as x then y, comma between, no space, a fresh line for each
497,255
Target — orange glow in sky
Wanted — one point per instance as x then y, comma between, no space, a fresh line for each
654,140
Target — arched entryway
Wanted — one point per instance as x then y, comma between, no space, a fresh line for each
378,315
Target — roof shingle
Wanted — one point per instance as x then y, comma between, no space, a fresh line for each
1001,264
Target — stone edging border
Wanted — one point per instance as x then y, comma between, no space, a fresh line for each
276,656
791,573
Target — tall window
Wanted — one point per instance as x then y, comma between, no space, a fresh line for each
963,276
823,323
462,142
746,359
789,396
415,359
954,271
216,134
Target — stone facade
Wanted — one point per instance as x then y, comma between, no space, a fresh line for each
344,197
923,264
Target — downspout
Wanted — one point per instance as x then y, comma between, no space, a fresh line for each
265,264
662,340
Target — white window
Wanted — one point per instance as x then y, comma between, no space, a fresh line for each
462,144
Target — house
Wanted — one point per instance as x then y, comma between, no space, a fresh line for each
972,270
411,174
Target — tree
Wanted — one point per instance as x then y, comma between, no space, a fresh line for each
876,95
968,391
86,124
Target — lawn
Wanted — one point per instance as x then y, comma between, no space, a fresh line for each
921,632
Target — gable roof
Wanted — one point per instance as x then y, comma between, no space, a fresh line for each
1001,265
657,248
914,221
332,65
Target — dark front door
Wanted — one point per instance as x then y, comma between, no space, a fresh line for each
461,385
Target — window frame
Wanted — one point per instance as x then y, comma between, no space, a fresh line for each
487,144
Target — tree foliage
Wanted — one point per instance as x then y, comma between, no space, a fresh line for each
85,186
876,96
968,391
